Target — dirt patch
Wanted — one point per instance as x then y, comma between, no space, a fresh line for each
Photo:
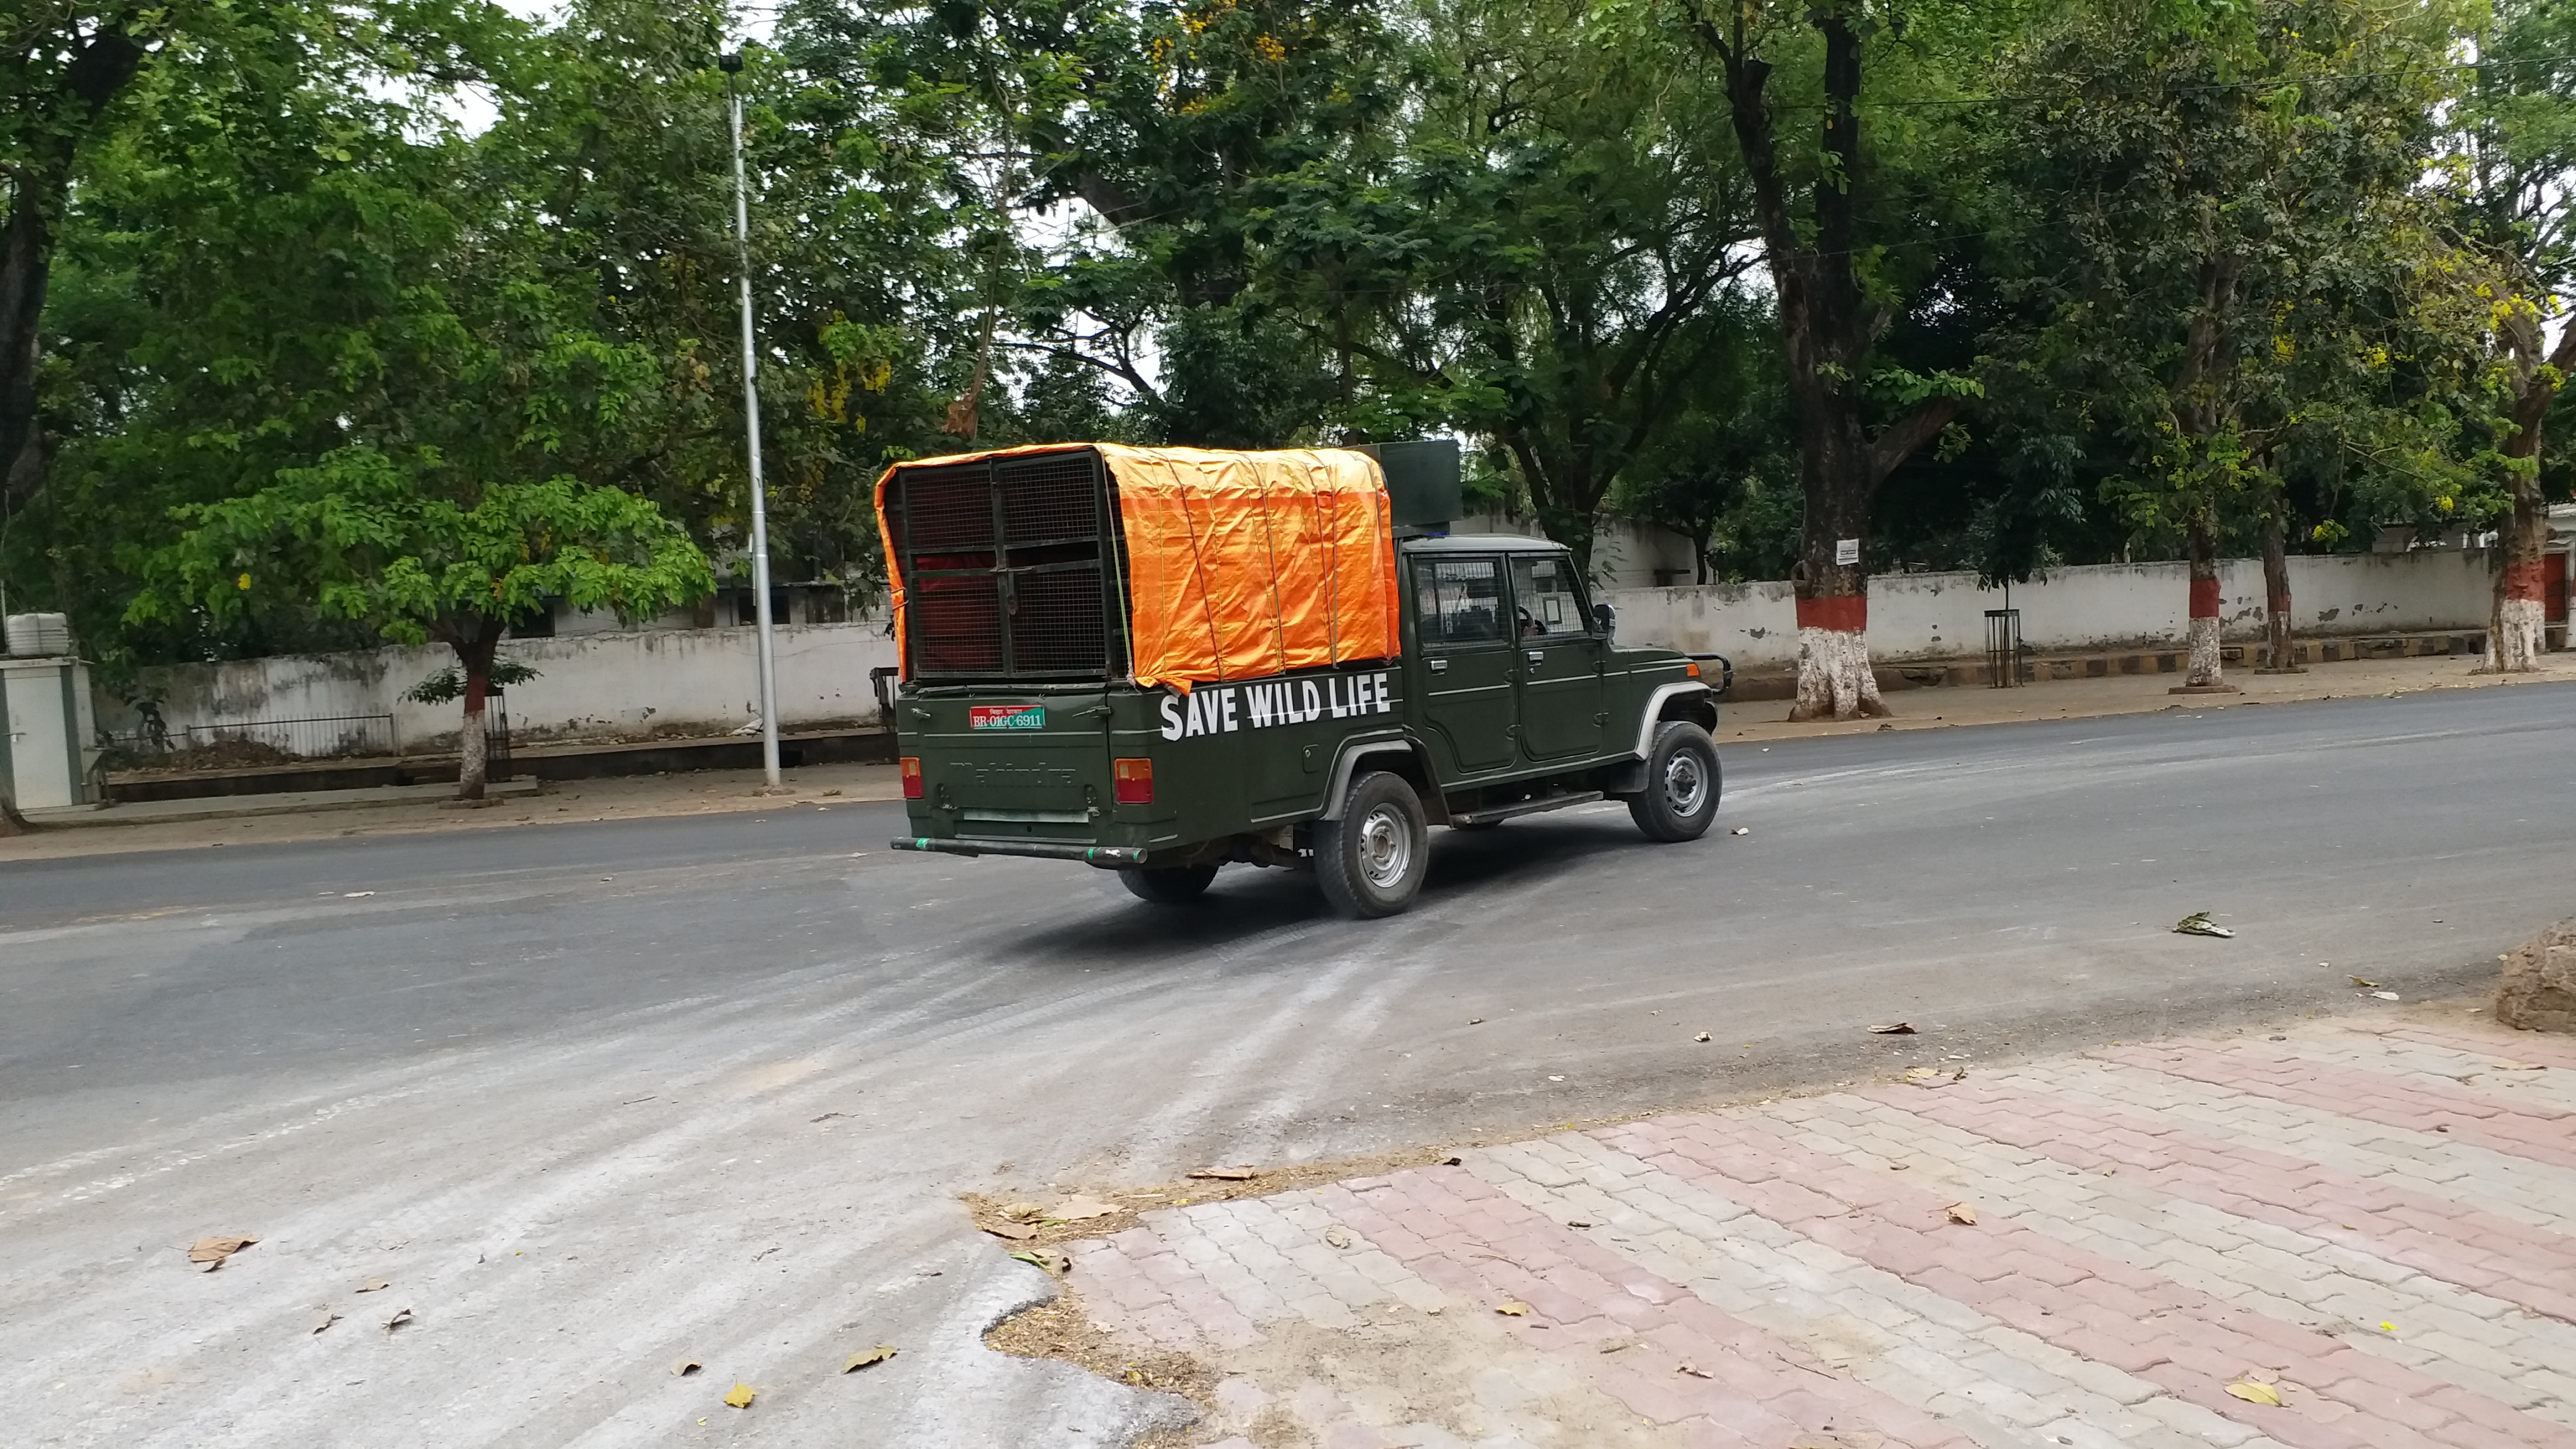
1021,1219
1060,1330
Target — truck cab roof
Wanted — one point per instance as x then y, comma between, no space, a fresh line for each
1480,543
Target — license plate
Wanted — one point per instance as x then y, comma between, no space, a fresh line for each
1006,716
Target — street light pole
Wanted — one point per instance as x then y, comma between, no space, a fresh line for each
731,63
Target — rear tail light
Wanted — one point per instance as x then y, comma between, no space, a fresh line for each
1132,781
911,778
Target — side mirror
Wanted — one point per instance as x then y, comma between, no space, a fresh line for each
1607,618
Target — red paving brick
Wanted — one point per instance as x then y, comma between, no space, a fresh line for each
1581,1293
2181,1340
2531,1267
2539,1133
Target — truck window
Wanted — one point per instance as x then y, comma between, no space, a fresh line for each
1546,597
1457,601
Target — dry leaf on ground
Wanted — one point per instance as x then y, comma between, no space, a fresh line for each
1895,1028
400,1317
212,1249
1227,1174
2198,923
1046,1258
1693,1370
867,1356
2254,1391
1080,1209
2386,995
1703,1036
1337,1236
323,1318
1962,1213
375,1285
740,1396
2364,982
1514,1309
686,1367
1013,1231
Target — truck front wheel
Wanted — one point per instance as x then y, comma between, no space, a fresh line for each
1172,885
1680,798
1371,861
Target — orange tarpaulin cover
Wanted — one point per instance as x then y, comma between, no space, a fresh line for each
1242,564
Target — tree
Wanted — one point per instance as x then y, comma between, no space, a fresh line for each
1833,302
2222,217
64,64
1729,437
393,545
2516,148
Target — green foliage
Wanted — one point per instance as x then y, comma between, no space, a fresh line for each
2180,266
448,685
380,542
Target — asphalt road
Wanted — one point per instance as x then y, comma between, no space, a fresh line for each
598,1097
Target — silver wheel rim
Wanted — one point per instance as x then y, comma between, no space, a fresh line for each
1386,847
1685,784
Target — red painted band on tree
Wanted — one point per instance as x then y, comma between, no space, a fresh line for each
1848,613
2204,598
2522,580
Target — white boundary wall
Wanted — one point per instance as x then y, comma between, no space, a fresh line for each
589,686
2089,607
705,681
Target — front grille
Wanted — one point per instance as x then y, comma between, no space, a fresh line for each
1002,566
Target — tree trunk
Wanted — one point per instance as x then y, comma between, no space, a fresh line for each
1827,324
2517,631
474,654
101,65
2201,535
2276,590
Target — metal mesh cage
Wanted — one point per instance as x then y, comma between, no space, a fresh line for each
1002,567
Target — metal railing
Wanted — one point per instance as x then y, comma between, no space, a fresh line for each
277,741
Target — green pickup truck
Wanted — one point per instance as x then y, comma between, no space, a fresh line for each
1493,689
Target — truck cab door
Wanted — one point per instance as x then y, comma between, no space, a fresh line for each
1559,659
1463,670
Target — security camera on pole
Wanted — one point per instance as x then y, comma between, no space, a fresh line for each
731,63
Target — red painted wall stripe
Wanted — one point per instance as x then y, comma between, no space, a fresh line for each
2204,598
1846,612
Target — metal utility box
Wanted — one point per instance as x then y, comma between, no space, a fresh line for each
45,729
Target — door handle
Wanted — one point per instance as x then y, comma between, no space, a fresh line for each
1439,666
1538,656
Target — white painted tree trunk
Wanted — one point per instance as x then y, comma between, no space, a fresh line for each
470,760
1834,679
2205,662
2517,636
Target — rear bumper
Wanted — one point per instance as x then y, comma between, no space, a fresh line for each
1107,857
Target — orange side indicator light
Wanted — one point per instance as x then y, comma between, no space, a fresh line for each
1132,781
1690,670
911,777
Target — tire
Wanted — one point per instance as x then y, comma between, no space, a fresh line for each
1371,862
1171,885
1682,783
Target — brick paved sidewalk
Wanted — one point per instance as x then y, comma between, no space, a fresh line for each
2377,1221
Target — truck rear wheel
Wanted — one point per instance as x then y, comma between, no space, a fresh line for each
1171,885
1680,798
1371,861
